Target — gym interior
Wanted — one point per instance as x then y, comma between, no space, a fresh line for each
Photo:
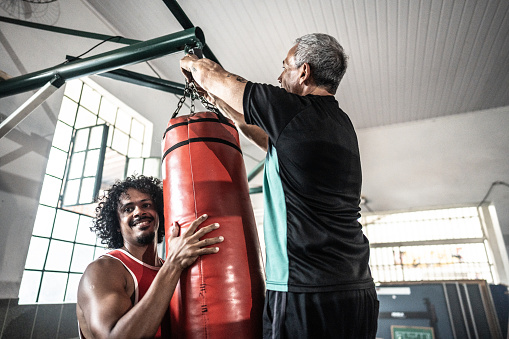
426,89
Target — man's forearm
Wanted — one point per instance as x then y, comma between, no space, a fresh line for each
252,132
215,80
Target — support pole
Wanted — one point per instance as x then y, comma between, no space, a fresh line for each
105,62
30,105
254,172
74,32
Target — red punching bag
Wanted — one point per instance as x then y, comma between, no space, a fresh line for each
220,295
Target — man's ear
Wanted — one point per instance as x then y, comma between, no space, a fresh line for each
305,73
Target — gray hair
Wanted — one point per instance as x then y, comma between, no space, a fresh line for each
326,58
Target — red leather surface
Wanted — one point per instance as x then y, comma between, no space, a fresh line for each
220,295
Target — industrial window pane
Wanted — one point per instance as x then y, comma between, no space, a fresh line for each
59,256
87,191
52,288
68,111
114,167
137,130
85,235
81,140
82,256
120,141
152,167
108,111
135,166
110,137
66,224
96,137
72,190
44,221
123,121
92,163
85,118
73,89
36,253
50,191
29,287
134,149
76,166
90,99
56,162
71,294
100,251
62,136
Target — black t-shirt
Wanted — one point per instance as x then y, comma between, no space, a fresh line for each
312,185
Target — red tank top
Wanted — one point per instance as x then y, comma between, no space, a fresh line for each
143,275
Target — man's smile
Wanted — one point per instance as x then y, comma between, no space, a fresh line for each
142,223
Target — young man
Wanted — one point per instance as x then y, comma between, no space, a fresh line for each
318,281
126,293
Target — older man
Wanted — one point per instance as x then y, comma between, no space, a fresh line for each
319,284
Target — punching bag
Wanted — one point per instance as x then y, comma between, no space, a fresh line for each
220,295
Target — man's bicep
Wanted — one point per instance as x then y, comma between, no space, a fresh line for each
103,299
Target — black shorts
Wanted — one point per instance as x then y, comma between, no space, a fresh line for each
341,314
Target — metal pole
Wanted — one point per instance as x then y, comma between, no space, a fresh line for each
104,62
61,30
30,105
141,79
257,169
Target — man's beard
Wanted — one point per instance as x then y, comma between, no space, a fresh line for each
146,239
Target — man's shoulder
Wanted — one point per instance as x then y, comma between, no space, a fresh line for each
104,264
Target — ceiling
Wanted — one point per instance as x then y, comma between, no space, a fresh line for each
413,66
409,60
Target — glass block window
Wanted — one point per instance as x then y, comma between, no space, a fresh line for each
94,137
84,173
445,244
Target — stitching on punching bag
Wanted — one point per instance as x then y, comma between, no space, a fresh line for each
200,262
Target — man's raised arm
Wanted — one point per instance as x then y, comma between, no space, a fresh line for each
215,80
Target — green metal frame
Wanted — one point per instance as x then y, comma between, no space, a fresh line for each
254,172
186,23
68,31
142,80
139,52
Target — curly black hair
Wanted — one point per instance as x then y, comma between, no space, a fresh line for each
106,224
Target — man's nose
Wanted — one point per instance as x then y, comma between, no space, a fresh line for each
138,211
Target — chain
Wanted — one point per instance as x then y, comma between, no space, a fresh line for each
181,101
191,91
207,104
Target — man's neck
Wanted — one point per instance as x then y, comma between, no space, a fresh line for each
312,89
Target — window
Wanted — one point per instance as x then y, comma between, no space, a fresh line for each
445,244
93,128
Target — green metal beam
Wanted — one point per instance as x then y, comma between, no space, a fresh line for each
255,170
68,31
105,62
145,80
186,23
254,190
142,80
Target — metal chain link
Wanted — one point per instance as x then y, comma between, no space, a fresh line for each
191,91
187,92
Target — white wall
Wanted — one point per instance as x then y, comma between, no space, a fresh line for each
439,162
